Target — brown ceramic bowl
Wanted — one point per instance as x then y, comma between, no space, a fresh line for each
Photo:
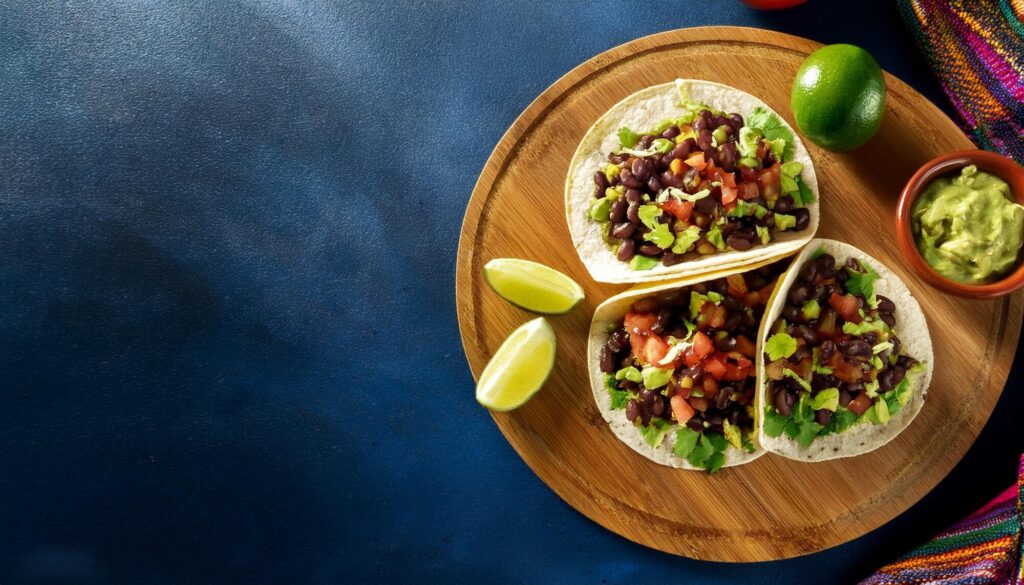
952,162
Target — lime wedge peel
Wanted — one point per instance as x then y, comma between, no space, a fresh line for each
532,286
519,368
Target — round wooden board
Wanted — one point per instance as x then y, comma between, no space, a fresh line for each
772,508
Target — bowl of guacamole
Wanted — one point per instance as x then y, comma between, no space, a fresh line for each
960,222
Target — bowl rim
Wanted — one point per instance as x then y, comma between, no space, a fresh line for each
997,164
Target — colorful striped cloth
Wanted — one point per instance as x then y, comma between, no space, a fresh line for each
985,547
976,48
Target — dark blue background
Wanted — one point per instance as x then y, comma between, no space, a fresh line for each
228,345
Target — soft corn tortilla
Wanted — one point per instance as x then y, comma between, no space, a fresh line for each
640,111
911,328
612,311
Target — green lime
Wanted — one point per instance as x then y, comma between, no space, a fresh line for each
532,286
838,97
519,368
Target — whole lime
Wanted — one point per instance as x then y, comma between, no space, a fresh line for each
838,97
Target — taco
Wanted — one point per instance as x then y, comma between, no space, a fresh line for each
672,366
846,357
687,178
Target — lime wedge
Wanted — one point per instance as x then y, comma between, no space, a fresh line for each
532,286
519,368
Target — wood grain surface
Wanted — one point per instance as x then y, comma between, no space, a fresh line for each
774,507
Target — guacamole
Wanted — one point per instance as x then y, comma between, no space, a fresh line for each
968,227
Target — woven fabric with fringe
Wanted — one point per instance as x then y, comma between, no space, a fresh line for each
985,547
976,48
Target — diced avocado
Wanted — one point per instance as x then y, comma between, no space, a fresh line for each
811,310
600,210
641,262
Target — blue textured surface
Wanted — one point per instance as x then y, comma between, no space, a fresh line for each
228,346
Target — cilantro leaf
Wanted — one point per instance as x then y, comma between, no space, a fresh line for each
685,239
774,423
862,284
661,236
773,128
840,421
796,377
700,454
654,433
628,138
619,397
780,345
806,433
715,462
806,196
717,440
827,399
686,441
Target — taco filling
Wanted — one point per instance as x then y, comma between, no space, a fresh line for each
705,182
833,359
681,365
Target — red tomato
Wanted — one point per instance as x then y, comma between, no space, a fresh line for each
718,317
846,306
844,370
735,372
710,387
698,403
859,404
748,190
751,299
681,409
639,323
745,346
766,292
702,345
737,285
655,349
680,209
729,195
690,359
773,4
714,366
769,180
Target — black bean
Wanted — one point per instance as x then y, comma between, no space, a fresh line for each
827,348
898,373
601,181
784,401
670,179
823,416
649,249
736,121
809,335
671,132
722,398
739,241
704,141
642,169
627,178
885,380
791,312
803,219
670,258
706,205
634,196
827,260
726,344
841,277
845,397
906,361
700,123
799,355
627,250
618,211
871,337
799,294
888,319
728,155
622,230
714,421
618,341
854,263
897,345
654,184
632,410
607,360
658,406
645,414
885,305
769,158
854,347
696,423
661,320
784,204
645,142
616,158
732,321
633,213
808,272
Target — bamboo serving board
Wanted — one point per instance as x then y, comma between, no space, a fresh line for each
772,508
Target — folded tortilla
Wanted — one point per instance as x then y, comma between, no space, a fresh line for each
642,110
912,330
612,311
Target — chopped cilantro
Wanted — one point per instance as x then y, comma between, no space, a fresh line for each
686,440
773,129
619,397
791,374
827,399
649,215
654,433
780,345
661,236
685,239
806,196
627,138
862,284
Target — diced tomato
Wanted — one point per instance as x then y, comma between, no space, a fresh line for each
718,317
766,291
690,359
737,285
702,344
729,195
699,403
707,312
714,366
681,209
639,323
768,180
655,349
745,346
740,359
735,372
846,306
859,404
752,299
804,368
681,409
697,161
748,190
